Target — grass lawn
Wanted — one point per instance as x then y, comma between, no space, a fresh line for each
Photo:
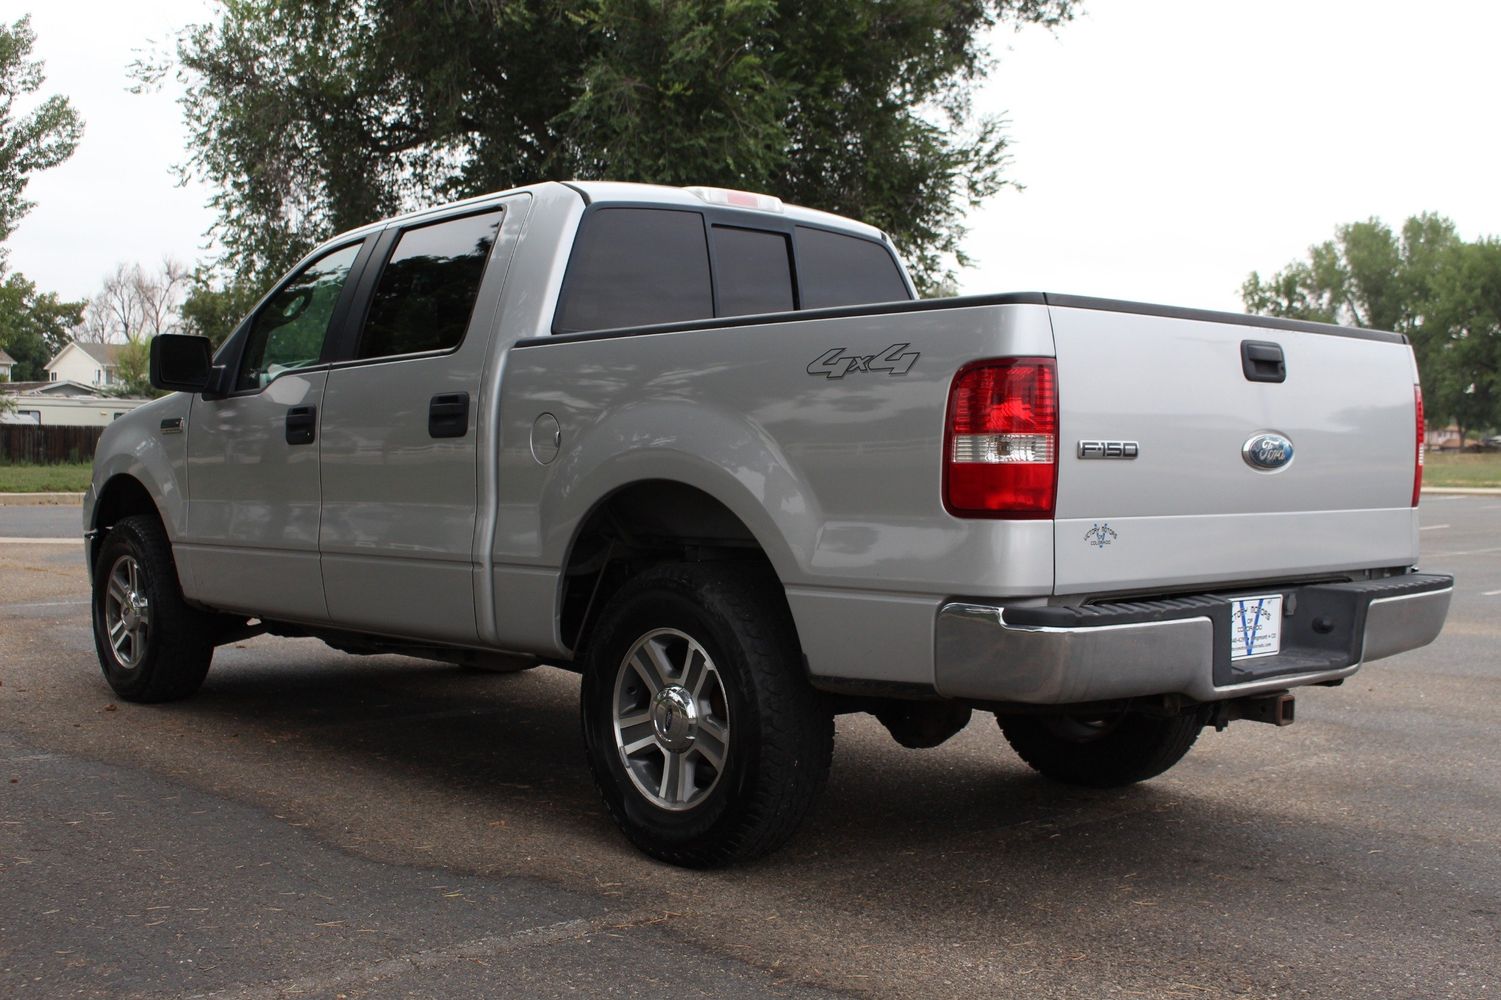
67,478
1456,469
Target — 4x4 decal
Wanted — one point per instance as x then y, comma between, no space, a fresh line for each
837,364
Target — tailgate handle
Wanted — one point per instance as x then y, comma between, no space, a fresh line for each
1262,361
448,415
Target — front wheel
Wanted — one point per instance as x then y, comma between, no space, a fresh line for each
151,645
706,741
1102,751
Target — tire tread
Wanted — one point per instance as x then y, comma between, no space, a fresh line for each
1141,747
796,729
181,637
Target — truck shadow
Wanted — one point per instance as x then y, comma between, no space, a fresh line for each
950,836
513,739
476,730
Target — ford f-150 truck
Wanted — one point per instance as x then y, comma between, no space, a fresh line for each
709,451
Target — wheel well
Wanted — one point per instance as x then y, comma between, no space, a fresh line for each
640,526
123,496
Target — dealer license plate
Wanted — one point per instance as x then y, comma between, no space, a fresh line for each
1255,626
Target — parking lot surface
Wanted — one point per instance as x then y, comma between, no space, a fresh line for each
315,824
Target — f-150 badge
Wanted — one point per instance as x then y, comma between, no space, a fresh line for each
1109,449
895,360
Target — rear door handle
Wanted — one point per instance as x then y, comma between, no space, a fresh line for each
1262,361
302,421
448,415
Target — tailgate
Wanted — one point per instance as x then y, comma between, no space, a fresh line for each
1190,508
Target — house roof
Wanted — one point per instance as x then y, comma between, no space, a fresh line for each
107,355
6,359
65,387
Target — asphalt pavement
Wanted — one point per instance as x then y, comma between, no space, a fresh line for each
52,521
315,824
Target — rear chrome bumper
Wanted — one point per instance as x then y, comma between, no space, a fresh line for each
1060,655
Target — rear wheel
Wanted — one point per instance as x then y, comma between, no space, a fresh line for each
151,645
706,741
1102,751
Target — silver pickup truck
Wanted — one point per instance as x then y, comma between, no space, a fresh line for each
707,450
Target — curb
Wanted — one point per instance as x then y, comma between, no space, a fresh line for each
41,499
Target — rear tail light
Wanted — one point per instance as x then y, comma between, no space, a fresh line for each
1417,465
1001,445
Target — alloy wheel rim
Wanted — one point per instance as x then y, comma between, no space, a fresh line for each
127,612
671,719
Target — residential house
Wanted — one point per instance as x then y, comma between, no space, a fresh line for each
88,364
6,364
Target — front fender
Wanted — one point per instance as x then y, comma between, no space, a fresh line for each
142,446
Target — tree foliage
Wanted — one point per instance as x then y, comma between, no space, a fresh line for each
32,141
309,117
213,310
33,326
1426,282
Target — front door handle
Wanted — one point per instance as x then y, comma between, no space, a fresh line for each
448,415
301,423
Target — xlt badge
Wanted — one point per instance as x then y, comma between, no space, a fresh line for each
1108,449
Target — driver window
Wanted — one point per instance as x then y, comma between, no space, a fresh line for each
289,330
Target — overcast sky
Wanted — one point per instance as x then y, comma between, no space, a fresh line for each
1168,147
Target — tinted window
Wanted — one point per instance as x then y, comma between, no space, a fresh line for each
837,270
754,271
635,267
289,330
427,289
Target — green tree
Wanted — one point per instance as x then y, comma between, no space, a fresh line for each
133,368
33,326
1465,349
1427,283
33,141
308,117
214,310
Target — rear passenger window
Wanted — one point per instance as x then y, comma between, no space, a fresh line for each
838,270
636,267
427,289
754,271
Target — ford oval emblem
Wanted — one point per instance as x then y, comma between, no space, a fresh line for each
1267,452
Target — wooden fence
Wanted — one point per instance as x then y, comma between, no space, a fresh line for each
47,445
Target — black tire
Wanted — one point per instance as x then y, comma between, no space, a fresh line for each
1105,752
778,735
165,653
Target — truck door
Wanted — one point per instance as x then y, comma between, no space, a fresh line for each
251,542
399,447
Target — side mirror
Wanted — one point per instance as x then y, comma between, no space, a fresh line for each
182,364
